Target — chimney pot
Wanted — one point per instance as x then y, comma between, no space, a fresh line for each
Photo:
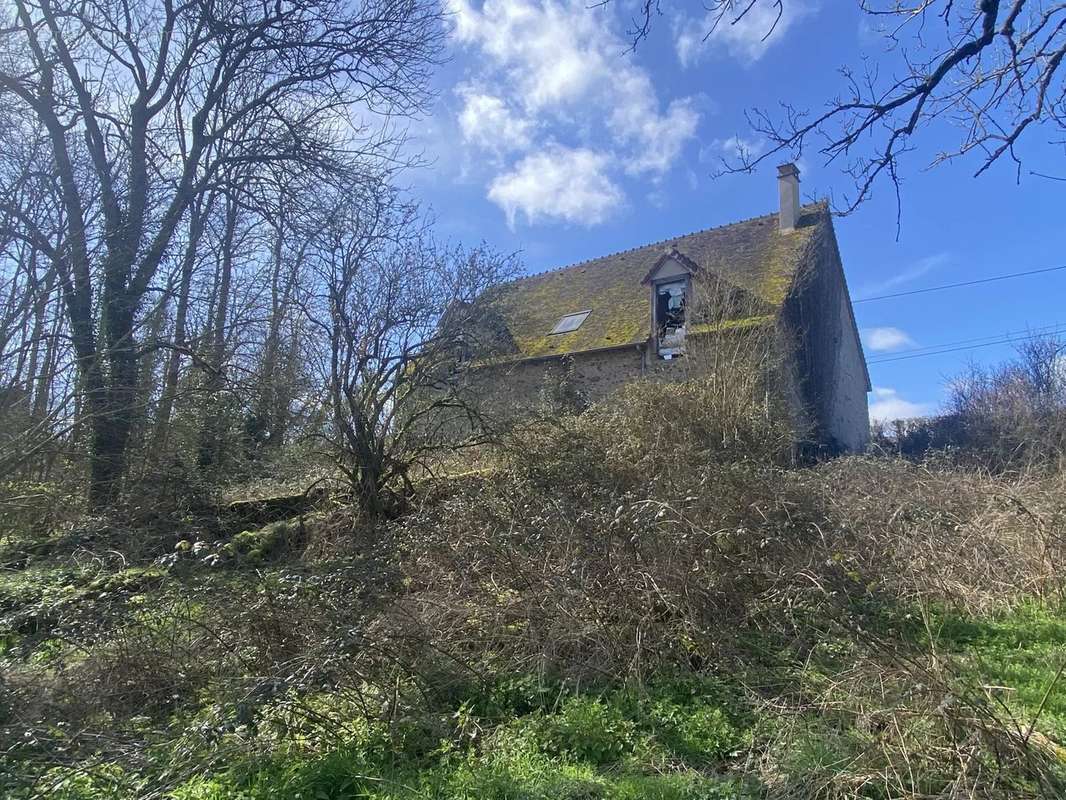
788,191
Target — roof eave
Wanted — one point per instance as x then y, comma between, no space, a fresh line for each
562,353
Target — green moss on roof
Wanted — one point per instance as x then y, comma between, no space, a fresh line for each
753,255
743,323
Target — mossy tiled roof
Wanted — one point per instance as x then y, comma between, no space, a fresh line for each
753,255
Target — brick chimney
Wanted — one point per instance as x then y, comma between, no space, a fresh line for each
788,187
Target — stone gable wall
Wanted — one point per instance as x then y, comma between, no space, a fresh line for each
829,358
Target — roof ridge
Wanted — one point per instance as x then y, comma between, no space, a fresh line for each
552,270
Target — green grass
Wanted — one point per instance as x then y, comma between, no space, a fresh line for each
673,742
1016,655
513,765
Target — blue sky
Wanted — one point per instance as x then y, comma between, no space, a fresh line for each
550,139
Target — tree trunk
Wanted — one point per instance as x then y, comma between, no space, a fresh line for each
40,305
211,432
181,314
271,411
112,409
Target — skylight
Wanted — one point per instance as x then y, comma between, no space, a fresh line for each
571,322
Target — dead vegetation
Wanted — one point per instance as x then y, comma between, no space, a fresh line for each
664,534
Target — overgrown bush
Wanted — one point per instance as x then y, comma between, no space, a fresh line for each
1008,418
513,634
648,434
31,509
631,539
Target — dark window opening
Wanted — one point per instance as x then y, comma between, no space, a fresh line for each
670,304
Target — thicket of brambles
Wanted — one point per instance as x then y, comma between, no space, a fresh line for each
645,598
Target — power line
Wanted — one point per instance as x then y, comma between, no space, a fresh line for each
992,339
950,347
961,284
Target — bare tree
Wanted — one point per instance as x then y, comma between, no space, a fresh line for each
139,108
1011,416
717,13
398,313
289,205
992,70
179,345
33,393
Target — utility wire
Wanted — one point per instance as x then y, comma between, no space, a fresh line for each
991,339
951,348
961,284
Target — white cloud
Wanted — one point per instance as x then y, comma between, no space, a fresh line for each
910,273
553,71
882,340
734,148
488,122
548,50
746,38
888,406
558,183
657,139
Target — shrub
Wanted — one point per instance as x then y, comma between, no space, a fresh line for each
589,729
699,733
1007,419
649,433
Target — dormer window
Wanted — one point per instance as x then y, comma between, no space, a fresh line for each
570,322
671,300
463,351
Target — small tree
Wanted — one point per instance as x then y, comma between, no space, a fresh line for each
398,314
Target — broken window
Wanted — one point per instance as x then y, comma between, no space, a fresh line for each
571,322
463,350
670,302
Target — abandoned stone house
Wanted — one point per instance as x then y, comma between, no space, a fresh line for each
643,313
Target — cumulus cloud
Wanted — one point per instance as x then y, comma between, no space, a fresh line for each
885,340
888,405
657,139
552,71
561,183
548,50
488,122
746,38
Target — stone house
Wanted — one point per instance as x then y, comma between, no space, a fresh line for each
645,313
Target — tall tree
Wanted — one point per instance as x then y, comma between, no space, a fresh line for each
210,434
179,345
